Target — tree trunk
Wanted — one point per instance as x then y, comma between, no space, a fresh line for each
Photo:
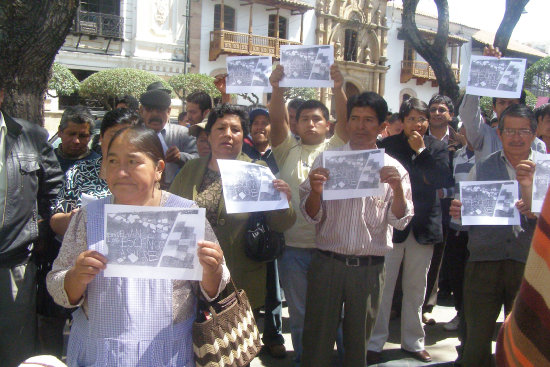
435,53
514,9
31,33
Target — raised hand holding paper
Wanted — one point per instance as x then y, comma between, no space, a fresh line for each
248,187
152,242
489,202
353,174
307,66
492,77
248,74
541,181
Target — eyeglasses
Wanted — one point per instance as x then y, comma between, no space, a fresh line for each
521,132
438,109
420,119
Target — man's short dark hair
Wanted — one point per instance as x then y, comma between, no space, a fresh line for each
520,111
130,101
227,109
182,115
521,98
372,100
78,115
200,98
542,111
413,104
296,103
313,104
441,99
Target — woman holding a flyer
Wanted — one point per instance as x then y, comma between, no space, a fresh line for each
130,321
200,180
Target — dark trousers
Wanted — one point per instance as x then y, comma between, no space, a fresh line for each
273,307
331,283
487,286
17,313
456,254
432,283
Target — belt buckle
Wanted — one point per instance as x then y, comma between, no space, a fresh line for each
352,261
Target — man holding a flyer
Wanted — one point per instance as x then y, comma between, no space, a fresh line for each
498,253
352,237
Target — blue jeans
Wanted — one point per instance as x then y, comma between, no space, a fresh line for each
273,307
293,267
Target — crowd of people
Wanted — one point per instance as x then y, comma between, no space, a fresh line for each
349,265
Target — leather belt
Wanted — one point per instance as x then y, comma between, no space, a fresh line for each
351,260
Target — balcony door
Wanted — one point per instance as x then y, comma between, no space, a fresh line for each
283,27
228,17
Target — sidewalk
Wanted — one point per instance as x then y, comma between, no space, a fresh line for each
440,344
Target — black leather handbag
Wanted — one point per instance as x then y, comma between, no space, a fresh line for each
262,244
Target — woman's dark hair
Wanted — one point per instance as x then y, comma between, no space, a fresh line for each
227,109
521,111
372,100
144,139
120,116
313,104
413,104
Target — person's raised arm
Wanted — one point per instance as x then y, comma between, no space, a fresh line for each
341,101
277,110
470,112
525,172
317,179
220,82
391,176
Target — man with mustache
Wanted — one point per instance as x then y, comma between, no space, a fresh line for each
178,145
498,254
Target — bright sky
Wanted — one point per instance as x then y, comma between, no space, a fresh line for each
487,15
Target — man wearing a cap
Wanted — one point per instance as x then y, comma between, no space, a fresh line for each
258,147
178,145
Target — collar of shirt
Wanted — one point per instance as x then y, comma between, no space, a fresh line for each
445,137
511,169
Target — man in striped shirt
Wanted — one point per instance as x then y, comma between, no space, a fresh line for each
352,237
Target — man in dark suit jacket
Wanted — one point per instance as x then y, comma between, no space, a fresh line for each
427,161
178,145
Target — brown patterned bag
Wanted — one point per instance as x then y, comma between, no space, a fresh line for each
229,335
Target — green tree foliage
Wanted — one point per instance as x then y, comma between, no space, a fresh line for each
305,93
530,99
537,76
106,85
185,84
486,105
63,81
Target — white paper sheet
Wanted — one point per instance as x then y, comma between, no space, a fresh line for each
152,242
494,77
541,181
489,202
248,187
248,74
353,174
307,66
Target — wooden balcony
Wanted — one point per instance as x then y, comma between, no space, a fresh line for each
235,43
422,71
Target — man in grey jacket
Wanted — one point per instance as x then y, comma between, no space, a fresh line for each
498,253
30,177
178,145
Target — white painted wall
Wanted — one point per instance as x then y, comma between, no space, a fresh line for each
394,88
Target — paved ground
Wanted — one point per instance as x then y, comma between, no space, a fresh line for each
440,344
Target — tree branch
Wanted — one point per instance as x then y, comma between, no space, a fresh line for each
514,9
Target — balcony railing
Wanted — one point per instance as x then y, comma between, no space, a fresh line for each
235,43
98,24
421,70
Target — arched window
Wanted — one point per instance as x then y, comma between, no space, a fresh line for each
350,45
228,17
283,26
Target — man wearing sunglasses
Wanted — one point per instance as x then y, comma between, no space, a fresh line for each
498,253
